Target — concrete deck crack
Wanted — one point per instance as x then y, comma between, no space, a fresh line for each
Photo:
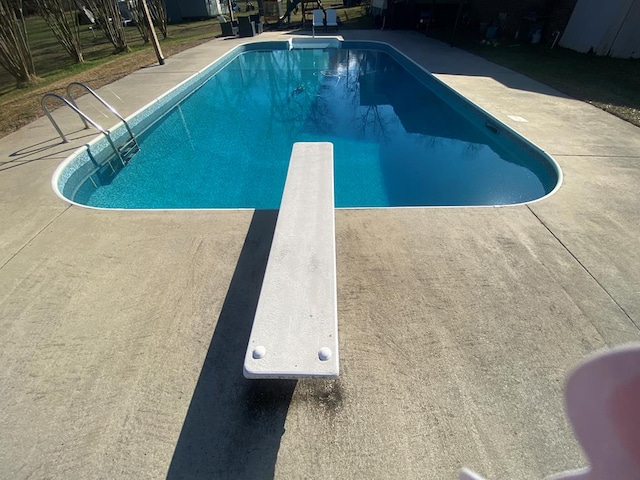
584,267
16,253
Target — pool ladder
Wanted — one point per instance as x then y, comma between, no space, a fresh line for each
125,152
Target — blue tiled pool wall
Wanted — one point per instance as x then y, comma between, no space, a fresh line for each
98,161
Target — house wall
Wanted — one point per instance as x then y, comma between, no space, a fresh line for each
627,41
199,8
173,11
605,28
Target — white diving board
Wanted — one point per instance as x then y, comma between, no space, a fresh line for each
295,330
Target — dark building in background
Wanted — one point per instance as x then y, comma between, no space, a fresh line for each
517,20
182,10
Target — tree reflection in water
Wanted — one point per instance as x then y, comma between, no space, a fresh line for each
396,141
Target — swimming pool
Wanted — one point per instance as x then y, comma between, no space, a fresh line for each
223,138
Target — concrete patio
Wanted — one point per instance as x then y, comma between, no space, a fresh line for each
123,333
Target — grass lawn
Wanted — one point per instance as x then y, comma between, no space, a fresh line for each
56,69
611,84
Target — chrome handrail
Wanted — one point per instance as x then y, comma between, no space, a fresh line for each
53,122
84,118
101,100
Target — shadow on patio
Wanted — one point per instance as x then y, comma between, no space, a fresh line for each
234,425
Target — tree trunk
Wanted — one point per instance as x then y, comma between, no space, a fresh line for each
61,18
135,7
108,18
158,10
15,55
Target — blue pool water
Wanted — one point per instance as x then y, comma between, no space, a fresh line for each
398,139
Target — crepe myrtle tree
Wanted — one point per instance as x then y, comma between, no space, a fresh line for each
60,16
15,55
137,13
108,18
158,9
158,12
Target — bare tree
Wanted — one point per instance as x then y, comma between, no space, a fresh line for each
15,55
135,7
158,11
108,17
62,20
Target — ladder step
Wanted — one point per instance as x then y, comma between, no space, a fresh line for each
130,144
129,149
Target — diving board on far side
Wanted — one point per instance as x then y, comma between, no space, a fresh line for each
295,330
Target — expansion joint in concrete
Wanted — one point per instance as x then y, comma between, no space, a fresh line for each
17,252
584,267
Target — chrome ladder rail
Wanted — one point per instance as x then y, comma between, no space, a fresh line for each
125,152
131,147
84,118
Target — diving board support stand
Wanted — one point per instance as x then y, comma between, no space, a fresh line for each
295,329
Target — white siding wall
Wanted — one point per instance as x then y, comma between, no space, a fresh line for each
627,43
214,8
609,27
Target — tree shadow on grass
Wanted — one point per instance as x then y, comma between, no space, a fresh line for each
234,425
